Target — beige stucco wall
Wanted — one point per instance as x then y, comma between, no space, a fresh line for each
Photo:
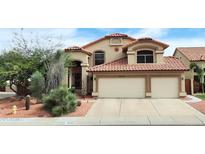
188,74
79,56
157,52
110,53
186,62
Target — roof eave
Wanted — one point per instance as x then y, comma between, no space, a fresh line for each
82,51
181,70
105,37
138,41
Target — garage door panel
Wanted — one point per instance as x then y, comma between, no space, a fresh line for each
121,87
164,87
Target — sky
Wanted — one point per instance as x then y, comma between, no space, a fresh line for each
174,37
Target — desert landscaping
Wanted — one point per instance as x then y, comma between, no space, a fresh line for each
36,109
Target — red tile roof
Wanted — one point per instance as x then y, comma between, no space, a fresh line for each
171,64
193,53
77,49
109,36
146,39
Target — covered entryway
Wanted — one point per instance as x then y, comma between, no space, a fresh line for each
124,87
165,87
76,75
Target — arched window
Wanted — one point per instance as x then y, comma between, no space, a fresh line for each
99,57
145,56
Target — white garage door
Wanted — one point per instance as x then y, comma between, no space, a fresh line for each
164,87
121,87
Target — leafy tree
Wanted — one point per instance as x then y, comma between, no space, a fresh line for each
28,55
37,85
15,68
199,72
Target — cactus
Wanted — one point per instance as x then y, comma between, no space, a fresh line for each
27,103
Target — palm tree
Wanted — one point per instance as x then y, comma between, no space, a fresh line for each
199,72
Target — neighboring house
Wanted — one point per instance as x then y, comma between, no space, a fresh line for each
5,89
119,66
190,55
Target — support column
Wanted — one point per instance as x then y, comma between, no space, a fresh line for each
65,77
94,93
192,86
84,78
159,57
148,93
70,78
182,92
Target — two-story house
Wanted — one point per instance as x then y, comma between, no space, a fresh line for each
190,55
119,66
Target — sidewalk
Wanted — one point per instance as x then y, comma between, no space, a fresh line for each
85,121
6,94
193,99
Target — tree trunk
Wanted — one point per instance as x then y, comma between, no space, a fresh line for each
10,85
202,87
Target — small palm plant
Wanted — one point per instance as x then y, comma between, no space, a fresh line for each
199,72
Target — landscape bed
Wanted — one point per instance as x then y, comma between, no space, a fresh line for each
36,109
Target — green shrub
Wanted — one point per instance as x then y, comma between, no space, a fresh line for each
73,102
72,90
37,85
60,98
57,111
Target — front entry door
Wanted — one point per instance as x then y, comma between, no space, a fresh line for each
77,80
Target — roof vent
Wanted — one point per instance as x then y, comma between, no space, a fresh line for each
117,35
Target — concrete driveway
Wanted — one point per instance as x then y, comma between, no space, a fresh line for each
124,112
145,112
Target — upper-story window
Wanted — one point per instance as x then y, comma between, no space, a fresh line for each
145,56
116,41
99,57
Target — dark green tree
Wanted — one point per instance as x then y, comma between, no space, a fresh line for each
199,71
37,85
